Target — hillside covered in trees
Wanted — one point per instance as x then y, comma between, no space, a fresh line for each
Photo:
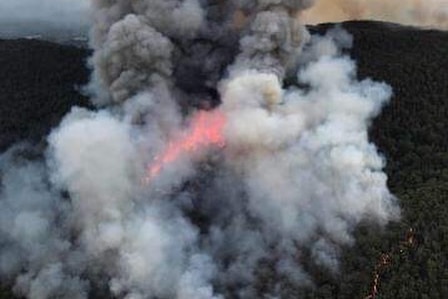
39,82
411,133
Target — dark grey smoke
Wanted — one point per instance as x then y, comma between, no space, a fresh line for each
298,172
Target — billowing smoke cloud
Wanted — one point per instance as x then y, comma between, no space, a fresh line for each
297,173
35,249
50,18
426,13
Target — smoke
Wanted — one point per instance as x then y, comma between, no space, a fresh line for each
59,18
36,251
428,13
51,18
296,176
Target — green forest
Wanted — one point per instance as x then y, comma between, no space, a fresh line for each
406,259
411,134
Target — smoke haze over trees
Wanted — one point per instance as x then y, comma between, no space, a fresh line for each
287,205
410,133
95,225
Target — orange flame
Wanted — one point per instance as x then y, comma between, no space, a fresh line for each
205,130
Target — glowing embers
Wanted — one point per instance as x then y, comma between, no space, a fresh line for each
206,130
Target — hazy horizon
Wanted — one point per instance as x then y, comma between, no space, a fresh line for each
69,18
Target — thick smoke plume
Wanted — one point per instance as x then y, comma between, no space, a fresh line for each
296,176
425,13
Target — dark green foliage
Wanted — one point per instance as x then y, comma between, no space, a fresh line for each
38,85
411,132
5,293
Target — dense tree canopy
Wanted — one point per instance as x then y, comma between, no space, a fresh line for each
411,133
39,82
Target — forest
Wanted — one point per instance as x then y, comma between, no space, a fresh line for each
40,81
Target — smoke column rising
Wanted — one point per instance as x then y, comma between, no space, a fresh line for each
297,174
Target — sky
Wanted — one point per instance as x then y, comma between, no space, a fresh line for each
28,17
425,13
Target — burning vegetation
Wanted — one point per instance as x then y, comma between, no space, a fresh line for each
205,130
296,172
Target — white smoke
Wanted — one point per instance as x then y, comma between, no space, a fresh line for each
298,172
306,159
36,251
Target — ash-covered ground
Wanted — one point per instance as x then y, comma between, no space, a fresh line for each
40,82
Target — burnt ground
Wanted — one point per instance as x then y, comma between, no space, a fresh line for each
39,82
